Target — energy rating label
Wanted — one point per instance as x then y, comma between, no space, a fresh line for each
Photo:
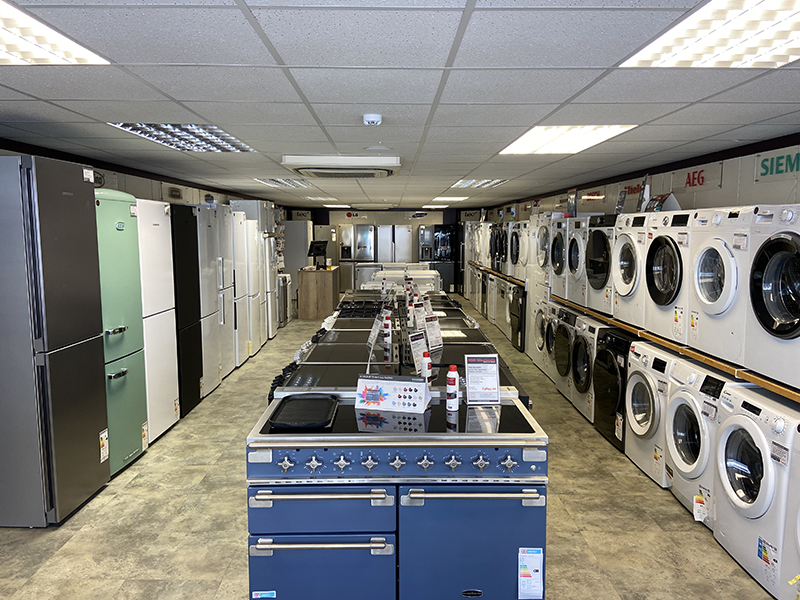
530,574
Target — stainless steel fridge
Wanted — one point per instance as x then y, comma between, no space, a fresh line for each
356,244
394,243
227,333
53,419
255,284
241,298
271,285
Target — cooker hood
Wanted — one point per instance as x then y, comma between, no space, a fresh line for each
342,167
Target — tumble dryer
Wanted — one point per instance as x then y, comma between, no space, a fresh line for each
577,233
649,368
584,349
627,268
691,430
518,250
667,267
562,350
599,244
773,321
754,445
610,380
718,300
558,257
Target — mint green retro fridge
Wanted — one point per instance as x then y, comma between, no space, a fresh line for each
123,337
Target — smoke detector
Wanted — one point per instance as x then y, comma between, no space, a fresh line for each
370,120
342,167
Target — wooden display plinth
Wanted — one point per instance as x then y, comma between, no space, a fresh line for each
317,293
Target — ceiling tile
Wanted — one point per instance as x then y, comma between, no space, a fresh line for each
375,135
253,113
276,149
359,86
14,133
505,86
663,85
643,147
221,84
9,94
32,3
681,133
405,149
118,111
724,114
506,38
405,115
133,34
644,4
496,115
479,148
81,82
790,119
277,133
504,135
779,85
609,114
37,111
758,132
358,38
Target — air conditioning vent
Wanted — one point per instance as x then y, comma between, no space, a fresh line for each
343,167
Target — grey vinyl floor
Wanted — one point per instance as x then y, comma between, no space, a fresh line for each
174,524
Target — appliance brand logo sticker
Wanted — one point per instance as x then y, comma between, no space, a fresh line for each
270,594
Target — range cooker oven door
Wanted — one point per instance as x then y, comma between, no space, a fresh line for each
609,397
446,530
664,270
775,285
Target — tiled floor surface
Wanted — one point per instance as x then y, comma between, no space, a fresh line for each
174,524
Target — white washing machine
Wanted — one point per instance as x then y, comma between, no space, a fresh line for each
559,238
540,250
491,298
691,430
518,250
599,245
537,332
548,356
535,295
562,350
718,301
627,268
504,231
649,368
773,321
577,233
790,569
667,269
503,307
584,350
754,445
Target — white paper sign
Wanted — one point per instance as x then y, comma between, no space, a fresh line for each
483,378
434,331
426,302
418,345
377,327
419,316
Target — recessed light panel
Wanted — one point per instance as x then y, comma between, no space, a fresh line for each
480,184
26,41
321,199
729,33
568,139
284,183
450,198
434,206
336,206
187,138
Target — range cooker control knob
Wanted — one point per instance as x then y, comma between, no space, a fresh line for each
286,464
481,463
314,464
369,463
397,463
779,425
425,463
453,462
509,463
342,463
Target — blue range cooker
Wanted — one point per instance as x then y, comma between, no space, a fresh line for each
447,505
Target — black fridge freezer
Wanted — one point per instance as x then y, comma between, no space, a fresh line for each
53,419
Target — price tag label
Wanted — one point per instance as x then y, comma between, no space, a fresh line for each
419,316
740,241
418,345
483,378
426,302
434,331
377,326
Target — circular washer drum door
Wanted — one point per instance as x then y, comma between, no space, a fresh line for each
581,365
775,285
563,349
598,259
664,270
557,253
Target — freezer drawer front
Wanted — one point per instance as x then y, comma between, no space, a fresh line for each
190,367
127,410
472,542
332,509
212,353
242,329
227,333
186,267
161,373
120,281
349,570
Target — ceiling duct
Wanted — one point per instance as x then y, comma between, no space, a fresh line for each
342,167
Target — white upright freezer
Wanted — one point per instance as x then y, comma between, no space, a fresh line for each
210,298
241,298
226,290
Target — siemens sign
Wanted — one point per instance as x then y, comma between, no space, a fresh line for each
778,166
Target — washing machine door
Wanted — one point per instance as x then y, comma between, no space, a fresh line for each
540,330
502,245
562,351
744,464
687,434
642,405
576,255
515,244
542,246
664,270
598,259
715,276
557,252
550,337
625,265
524,245
775,285
581,364
608,379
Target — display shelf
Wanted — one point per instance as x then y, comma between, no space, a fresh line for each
496,274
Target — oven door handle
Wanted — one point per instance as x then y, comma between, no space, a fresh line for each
417,497
376,546
265,498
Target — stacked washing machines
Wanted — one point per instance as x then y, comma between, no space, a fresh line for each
577,234
584,351
559,238
627,268
599,246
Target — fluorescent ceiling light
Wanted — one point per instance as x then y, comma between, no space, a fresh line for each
434,206
450,198
320,199
592,197
569,139
283,183
481,184
26,41
335,206
729,33
188,138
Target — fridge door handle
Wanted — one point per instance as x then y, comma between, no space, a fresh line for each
221,307
118,374
220,272
117,330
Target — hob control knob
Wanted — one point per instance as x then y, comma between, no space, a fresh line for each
342,463
481,463
453,462
286,464
314,464
397,463
509,463
369,463
425,463
779,425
